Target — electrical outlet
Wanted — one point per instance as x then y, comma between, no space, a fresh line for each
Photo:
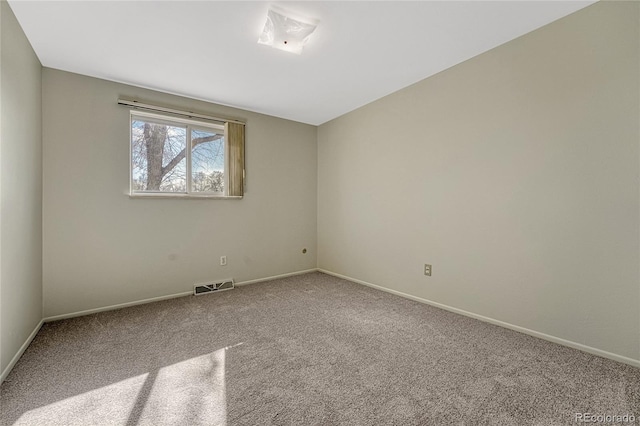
223,260
427,270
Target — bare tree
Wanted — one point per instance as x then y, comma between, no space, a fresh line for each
158,149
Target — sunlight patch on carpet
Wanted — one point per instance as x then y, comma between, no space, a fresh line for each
187,392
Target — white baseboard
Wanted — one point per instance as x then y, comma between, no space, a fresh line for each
158,299
275,277
554,339
118,306
26,344
18,354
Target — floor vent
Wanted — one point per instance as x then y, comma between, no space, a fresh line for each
200,289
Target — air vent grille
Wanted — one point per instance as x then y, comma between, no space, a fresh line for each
200,289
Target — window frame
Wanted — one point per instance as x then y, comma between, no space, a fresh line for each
189,126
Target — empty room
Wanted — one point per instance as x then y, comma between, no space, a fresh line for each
319,213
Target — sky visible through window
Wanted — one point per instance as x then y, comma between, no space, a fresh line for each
159,157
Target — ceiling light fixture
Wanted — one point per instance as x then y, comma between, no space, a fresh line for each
285,32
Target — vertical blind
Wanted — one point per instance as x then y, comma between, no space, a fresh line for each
234,132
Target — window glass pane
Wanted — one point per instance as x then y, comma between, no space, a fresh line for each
158,156
207,160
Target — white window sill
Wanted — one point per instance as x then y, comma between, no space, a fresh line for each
183,196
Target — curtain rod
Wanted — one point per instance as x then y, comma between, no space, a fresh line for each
189,114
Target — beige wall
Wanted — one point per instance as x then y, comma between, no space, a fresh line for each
103,248
20,189
516,174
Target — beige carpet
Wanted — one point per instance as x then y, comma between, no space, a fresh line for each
309,350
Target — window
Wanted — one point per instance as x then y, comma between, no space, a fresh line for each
180,157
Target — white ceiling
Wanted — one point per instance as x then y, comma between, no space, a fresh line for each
361,51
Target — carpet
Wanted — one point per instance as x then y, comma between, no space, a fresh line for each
311,349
